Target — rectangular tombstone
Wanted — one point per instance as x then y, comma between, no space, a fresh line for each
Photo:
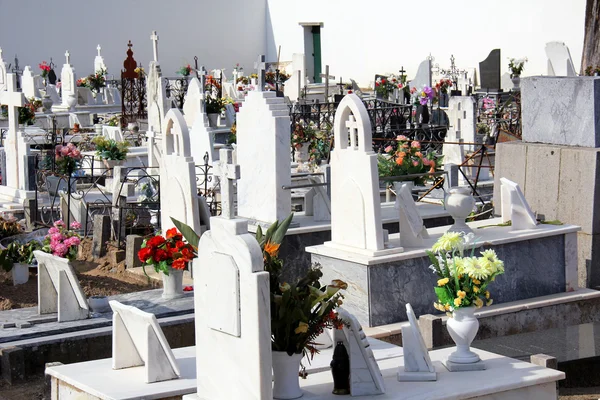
489,71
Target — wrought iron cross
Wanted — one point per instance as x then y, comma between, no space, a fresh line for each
228,173
68,57
154,38
453,72
341,85
402,71
260,66
327,77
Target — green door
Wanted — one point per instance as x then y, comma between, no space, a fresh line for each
316,34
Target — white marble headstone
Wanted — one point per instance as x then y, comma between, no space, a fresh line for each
193,107
423,76
137,339
112,132
157,100
58,289
560,62
417,363
68,82
412,230
2,73
28,84
99,61
514,206
297,80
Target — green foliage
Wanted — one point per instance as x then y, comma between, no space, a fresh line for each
214,105
18,253
188,233
110,149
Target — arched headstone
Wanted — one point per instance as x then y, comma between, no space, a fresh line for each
194,100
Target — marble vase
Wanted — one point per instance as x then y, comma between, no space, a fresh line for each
71,101
459,203
20,273
47,104
463,327
516,80
301,155
213,119
173,284
286,384
110,165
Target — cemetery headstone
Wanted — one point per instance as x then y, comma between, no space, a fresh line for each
365,376
263,152
355,201
99,61
560,62
461,136
412,230
178,175
137,340
515,208
201,135
58,289
231,298
417,363
3,78
13,99
489,71
293,88
68,83
260,67
28,84
423,76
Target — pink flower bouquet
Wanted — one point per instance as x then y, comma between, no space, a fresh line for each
61,241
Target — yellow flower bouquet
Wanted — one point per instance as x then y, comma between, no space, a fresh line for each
464,279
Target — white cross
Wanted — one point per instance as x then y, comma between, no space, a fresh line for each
154,38
68,56
99,48
260,66
228,173
0,53
352,126
327,78
13,99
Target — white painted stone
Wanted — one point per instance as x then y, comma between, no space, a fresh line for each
263,153
230,115
412,231
321,203
505,82
560,62
423,76
228,173
137,339
28,84
112,132
14,100
417,364
355,200
515,208
68,81
99,60
293,87
85,96
193,107
224,348
3,77
157,99
53,93
20,273
178,193
58,289
365,376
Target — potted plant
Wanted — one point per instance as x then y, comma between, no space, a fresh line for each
515,67
17,257
407,158
62,241
303,135
300,312
169,255
462,287
110,151
214,106
421,98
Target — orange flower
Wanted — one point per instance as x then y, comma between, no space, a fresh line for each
400,158
173,233
179,264
272,248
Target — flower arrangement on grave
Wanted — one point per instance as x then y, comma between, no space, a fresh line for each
45,69
320,146
590,70
18,253
300,311
165,252
96,81
383,86
110,149
304,132
516,66
423,96
115,120
140,71
62,241
483,128
232,134
68,158
443,85
186,70
271,77
214,105
212,84
407,158
9,227
81,82
464,279
26,113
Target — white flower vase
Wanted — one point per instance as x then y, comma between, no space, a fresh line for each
173,284
301,156
20,274
463,327
71,101
459,203
516,80
286,384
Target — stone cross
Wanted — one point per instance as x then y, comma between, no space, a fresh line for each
260,66
13,99
352,126
99,48
154,38
68,57
228,173
327,78
0,53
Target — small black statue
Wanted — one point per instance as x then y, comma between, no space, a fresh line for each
340,369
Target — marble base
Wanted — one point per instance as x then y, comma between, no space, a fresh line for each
456,367
405,376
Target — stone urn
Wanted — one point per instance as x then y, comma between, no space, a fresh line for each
110,165
463,327
516,80
286,384
173,284
459,203
47,104
71,101
301,155
20,273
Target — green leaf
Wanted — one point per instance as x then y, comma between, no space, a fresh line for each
271,230
443,296
187,232
282,229
259,234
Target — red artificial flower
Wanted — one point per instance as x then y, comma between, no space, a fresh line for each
187,253
376,83
160,255
179,264
383,81
173,233
156,241
188,288
144,254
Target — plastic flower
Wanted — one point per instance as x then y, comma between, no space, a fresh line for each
457,302
478,302
448,242
179,264
156,241
272,248
474,267
302,328
461,294
487,295
489,302
476,289
442,282
160,255
173,233
75,225
144,254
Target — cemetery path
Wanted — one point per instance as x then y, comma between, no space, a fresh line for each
100,277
